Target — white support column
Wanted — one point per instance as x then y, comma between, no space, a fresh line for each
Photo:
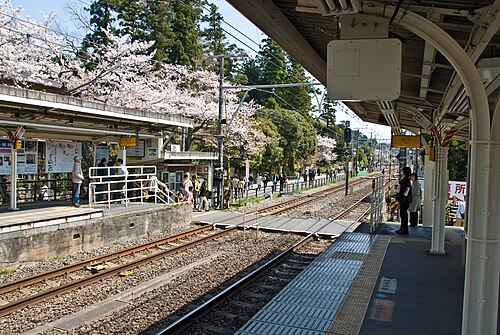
480,312
13,178
439,198
428,185
122,153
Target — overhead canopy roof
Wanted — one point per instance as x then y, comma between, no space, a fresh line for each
54,116
429,82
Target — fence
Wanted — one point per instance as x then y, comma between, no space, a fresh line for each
33,190
290,187
377,203
125,184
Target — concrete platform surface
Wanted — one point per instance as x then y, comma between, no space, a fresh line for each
43,214
406,292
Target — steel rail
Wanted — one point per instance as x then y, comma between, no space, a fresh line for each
57,291
39,277
185,321
188,319
311,199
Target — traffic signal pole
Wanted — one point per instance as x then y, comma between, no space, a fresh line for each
347,140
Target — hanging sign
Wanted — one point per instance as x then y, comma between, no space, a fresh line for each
136,150
423,121
59,156
399,141
128,141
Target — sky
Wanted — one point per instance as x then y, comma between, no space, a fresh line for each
248,34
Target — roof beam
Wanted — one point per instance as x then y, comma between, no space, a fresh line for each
429,57
269,18
440,11
481,35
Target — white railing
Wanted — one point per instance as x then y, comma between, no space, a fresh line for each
125,184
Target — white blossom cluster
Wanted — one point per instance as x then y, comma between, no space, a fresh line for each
33,53
326,146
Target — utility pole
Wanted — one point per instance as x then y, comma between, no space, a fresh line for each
220,139
357,155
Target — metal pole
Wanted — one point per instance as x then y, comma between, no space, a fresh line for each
357,155
13,178
221,130
347,173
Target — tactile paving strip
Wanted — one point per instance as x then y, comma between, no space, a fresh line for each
350,316
309,303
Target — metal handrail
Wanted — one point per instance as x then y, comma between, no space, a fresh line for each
123,184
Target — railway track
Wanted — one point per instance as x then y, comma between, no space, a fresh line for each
303,200
80,266
96,277
154,250
252,292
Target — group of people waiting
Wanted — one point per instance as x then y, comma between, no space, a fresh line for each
194,190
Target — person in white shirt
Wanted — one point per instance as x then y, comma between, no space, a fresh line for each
461,212
77,178
122,172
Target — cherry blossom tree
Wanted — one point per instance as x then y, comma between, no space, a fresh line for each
34,53
326,147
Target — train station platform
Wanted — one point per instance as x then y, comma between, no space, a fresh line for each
370,284
57,229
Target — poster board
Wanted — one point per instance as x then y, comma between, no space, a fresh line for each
27,157
102,151
137,151
59,156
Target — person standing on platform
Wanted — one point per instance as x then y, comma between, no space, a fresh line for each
203,197
77,178
404,199
416,198
196,190
282,180
461,212
123,173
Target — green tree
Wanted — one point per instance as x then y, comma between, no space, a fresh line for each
215,43
298,96
172,26
272,65
186,47
457,161
297,136
101,20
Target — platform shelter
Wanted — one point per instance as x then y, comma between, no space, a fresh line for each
59,125
423,67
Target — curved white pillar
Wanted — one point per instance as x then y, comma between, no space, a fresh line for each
427,217
480,312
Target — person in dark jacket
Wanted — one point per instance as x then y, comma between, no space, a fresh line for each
404,198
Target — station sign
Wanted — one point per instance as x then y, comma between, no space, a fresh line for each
128,141
423,121
399,141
